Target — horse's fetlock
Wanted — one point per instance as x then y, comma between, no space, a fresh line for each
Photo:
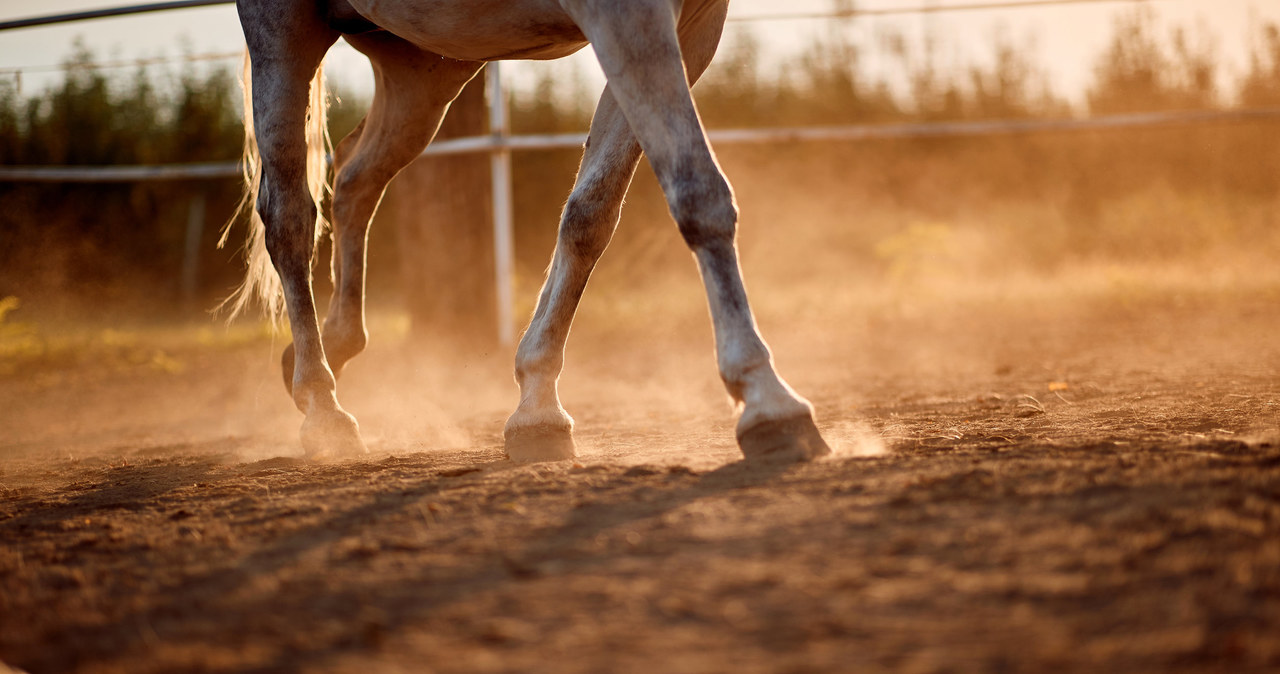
528,370
354,342
342,338
536,362
314,391
735,390
742,362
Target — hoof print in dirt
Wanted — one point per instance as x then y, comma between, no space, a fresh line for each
795,439
539,443
336,436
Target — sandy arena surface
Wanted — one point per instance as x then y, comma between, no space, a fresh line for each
1092,486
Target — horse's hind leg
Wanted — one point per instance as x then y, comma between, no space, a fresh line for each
540,429
413,89
286,44
646,73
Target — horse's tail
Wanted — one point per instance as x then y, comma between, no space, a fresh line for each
261,282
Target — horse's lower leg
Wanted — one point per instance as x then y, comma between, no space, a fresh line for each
285,50
343,330
540,429
337,351
413,89
343,333
774,421
648,79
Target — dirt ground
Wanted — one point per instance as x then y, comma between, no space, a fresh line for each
1019,486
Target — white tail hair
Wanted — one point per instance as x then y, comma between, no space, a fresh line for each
261,282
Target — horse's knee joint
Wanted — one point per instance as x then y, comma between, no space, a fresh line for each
587,226
355,179
344,183
704,211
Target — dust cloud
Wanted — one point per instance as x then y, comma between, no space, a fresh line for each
1046,364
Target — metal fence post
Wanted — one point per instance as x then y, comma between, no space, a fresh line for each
503,245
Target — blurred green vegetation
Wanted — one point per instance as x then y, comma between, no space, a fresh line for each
983,203
83,245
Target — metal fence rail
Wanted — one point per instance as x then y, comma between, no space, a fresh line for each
534,142
108,12
118,174
784,16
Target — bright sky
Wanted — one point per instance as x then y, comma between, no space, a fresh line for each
1066,39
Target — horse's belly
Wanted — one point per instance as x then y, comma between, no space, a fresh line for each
479,30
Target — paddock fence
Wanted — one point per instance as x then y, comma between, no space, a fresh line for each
500,143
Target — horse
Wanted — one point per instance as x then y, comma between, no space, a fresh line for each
423,52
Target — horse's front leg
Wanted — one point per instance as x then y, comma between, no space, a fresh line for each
646,71
540,429
285,49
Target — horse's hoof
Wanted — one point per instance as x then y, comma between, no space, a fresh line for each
532,444
334,435
793,439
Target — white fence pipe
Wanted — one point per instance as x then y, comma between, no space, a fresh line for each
105,12
851,132
503,219
855,132
492,143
